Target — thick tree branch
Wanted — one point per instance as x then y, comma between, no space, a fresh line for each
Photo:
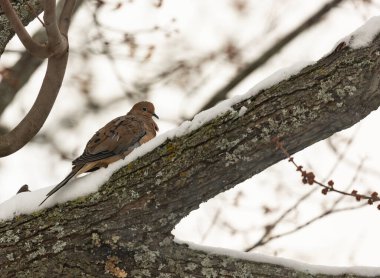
125,228
36,117
17,76
222,93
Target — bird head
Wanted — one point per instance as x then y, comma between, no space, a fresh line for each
144,108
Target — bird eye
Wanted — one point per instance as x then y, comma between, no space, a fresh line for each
144,108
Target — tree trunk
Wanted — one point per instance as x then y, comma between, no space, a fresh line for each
124,230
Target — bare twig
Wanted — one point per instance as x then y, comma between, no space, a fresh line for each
35,14
212,224
307,223
309,178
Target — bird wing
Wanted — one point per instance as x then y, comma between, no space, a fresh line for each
116,137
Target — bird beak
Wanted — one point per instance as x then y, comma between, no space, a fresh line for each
155,115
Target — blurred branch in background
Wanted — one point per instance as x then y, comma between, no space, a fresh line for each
337,140
188,73
332,210
221,94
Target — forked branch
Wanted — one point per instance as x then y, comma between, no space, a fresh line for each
57,53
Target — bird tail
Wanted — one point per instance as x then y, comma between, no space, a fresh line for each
62,183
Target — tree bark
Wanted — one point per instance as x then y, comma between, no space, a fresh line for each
124,230
27,10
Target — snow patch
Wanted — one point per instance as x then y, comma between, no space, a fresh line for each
304,267
242,111
278,76
363,36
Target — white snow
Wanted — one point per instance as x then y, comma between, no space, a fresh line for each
242,111
364,35
304,267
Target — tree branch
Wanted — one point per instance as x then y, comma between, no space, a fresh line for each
64,19
27,11
125,228
36,117
221,94
33,47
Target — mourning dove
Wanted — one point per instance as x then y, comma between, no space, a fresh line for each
114,141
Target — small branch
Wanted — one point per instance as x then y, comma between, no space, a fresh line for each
35,14
212,224
307,223
269,228
309,178
65,18
32,46
34,120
